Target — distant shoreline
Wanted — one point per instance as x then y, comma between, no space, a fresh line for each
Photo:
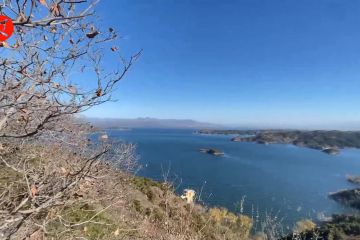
330,142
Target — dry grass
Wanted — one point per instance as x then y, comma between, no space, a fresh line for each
304,225
110,204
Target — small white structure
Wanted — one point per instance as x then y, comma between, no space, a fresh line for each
104,137
189,195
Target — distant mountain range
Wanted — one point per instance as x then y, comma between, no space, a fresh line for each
149,123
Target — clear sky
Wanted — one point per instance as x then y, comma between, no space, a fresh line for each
248,62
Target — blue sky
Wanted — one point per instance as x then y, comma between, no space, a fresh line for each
268,63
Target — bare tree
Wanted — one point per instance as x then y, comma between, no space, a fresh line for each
52,68
54,42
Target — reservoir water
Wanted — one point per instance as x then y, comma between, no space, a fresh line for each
290,182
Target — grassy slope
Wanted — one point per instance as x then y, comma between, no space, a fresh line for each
121,206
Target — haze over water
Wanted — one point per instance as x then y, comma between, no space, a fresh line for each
286,180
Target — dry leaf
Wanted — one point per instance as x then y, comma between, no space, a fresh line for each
92,34
53,29
43,2
4,44
34,191
98,92
55,10
63,171
16,45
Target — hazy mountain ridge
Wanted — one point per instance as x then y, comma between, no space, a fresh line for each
149,123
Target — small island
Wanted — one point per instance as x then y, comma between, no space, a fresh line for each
329,142
331,150
353,179
212,151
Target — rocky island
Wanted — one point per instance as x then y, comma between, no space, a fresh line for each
212,151
348,197
353,179
331,150
329,142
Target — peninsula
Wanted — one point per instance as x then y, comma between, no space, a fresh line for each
347,197
329,142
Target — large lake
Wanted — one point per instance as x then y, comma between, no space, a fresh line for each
289,181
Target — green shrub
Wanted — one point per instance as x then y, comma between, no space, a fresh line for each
143,184
341,227
137,206
158,215
98,228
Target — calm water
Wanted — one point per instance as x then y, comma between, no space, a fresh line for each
291,181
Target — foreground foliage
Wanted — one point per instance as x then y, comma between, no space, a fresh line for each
340,227
107,203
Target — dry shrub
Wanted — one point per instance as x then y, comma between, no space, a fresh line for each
304,225
230,225
37,176
45,154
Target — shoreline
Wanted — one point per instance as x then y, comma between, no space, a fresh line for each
329,142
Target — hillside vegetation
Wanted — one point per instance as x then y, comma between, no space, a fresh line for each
339,228
107,204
